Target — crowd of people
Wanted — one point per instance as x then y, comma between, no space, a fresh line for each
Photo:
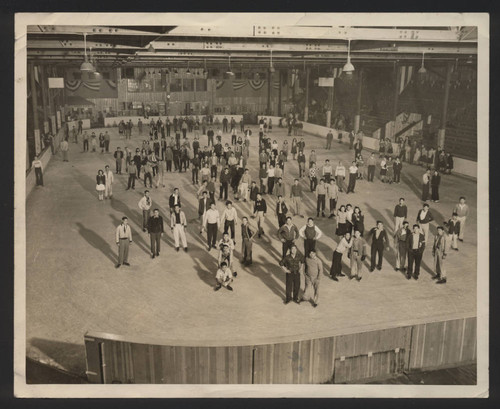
219,172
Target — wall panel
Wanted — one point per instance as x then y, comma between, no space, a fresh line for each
342,358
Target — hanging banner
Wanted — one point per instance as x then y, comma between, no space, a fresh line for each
53,124
58,117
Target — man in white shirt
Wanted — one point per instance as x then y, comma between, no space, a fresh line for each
145,205
123,240
336,268
270,179
332,193
327,171
462,211
178,224
108,192
37,165
353,174
211,222
223,277
426,179
64,149
229,219
340,176
245,183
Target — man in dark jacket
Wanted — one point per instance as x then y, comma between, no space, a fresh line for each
260,210
174,199
416,247
225,178
195,162
210,135
397,167
379,241
118,155
424,218
155,230
287,234
292,265
281,211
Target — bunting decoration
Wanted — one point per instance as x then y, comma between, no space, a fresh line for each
276,84
256,84
93,85
111,84
73,85
238,84
219,84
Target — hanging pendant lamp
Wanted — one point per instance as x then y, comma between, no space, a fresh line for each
348,67
86,65
422,69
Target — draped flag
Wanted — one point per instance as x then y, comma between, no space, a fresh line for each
238,84
406,73
276,84
93,85
73,85
256,84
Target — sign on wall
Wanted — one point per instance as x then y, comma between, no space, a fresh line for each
325,82
56,82
132,85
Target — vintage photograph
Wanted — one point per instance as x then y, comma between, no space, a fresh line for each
262,204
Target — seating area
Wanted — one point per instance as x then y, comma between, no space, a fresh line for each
461,126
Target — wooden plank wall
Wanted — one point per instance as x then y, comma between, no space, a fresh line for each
148,364
442,344
344,358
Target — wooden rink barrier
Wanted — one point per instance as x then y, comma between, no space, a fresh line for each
346,358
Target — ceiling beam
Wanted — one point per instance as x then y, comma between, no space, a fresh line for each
78,44
319,33
72,29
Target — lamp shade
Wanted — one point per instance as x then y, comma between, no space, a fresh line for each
87,67
348,67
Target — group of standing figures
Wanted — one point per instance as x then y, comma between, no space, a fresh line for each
409,241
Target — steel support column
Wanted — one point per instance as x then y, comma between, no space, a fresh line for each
357,117
442,128
306,108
